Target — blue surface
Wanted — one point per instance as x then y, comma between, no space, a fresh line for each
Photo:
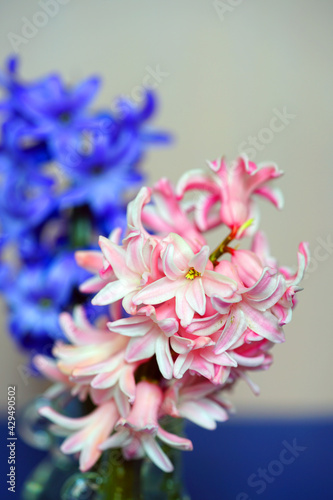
241,460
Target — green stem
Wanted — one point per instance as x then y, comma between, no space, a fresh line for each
141,479
220,250
122,479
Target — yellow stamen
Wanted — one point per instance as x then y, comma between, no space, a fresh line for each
192,273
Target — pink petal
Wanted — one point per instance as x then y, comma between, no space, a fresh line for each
181,345
233,330
195,179
134,210
265,286
204,219
183,252
208,325
108,365
134,255
116,310
223,359
141,347
178,442
132,327
155,453
197,391
261,175
193,411
170,268
248,265
117,440
263,305
61,420
182,364
144,412
90,259
184,310
218,166
274,195
122,401
199,261
92,285
263,323
248,361
163,356
153,220
74,443
158,292
195,296
112,292
88,458
116,257
79,336
169,326
105,380
48,367
216,284
303,256
202,367
201,342
189,410
127,382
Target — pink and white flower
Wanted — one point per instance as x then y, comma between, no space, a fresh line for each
95,361
166,215
94,262
198,401
136,434
149,335
189,279
132,265
86,434
232,188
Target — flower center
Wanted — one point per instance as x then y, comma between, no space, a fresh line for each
192,273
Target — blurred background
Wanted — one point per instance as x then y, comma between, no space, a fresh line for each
231,76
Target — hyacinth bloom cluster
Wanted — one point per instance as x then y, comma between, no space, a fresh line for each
188,320
65,170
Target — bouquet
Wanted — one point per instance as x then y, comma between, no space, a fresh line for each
185,321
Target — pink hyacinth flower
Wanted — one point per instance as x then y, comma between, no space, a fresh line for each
94,262
188,277
166,215
62,383
196,400
149,335
199,356
233,189
132,266
284,307
96,358
86,433
136,434
254,310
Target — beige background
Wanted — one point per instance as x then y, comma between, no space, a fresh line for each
227,74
